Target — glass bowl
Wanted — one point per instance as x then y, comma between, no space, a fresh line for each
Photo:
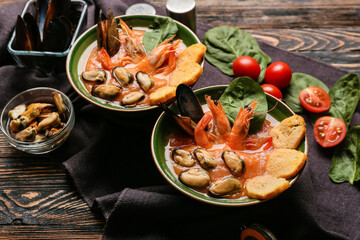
41,94
50,62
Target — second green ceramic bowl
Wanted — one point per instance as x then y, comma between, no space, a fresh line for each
163,129
79,51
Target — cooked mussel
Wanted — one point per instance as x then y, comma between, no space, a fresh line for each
132,98
59,103
105,91
144,80
32,112
26,135
195,177
123,76
188,103
185,123
52,132
50,30
94,76
205,158
53,120
225,186
17,111
234,162
183,157
107,33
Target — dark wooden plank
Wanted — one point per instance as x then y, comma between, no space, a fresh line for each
277,14
37,191
335,46
10,232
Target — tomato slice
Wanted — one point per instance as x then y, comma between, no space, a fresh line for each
315,99
329,131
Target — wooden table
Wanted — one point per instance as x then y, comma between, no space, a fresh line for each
37,198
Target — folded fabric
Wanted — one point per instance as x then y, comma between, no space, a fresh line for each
109,159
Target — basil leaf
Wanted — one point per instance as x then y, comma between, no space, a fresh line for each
345,165
300,81
242,91
345,96
225,44
163,28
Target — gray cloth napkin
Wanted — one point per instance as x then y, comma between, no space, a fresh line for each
108,157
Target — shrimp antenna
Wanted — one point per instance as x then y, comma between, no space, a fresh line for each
255,113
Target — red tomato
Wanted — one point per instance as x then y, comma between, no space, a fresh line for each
246,66
329,131
278,74
315,99
272,90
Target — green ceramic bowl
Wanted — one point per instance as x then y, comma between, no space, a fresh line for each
162,131
80,50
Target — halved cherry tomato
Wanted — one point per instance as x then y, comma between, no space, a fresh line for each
315,99
278,74
246,66
329,131
272,90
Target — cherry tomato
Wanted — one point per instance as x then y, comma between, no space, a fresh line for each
329,131
278,74
315,99
246,66
272,90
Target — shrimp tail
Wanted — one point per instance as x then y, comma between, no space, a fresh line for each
220,119
241,127
200,135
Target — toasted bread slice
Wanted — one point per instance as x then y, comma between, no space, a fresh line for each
193,53
289,132
266,186
163,94
285,163
187,73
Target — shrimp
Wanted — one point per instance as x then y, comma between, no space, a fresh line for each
220,119
154,61
241,126
133,46
200,135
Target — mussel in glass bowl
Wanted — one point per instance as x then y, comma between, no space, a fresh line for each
38,120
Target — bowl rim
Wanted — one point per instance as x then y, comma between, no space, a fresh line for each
209,201
118,109
32,144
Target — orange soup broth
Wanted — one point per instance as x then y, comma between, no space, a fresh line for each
121,58
255,159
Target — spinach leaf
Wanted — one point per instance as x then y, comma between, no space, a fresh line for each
242,91
300,81
345,165
163,28
224,44
345,96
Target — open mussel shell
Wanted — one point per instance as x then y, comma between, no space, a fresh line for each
185,123
188,103
107,33
57,35
55,8
27,35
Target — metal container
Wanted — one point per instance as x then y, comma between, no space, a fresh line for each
184,11
141,9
